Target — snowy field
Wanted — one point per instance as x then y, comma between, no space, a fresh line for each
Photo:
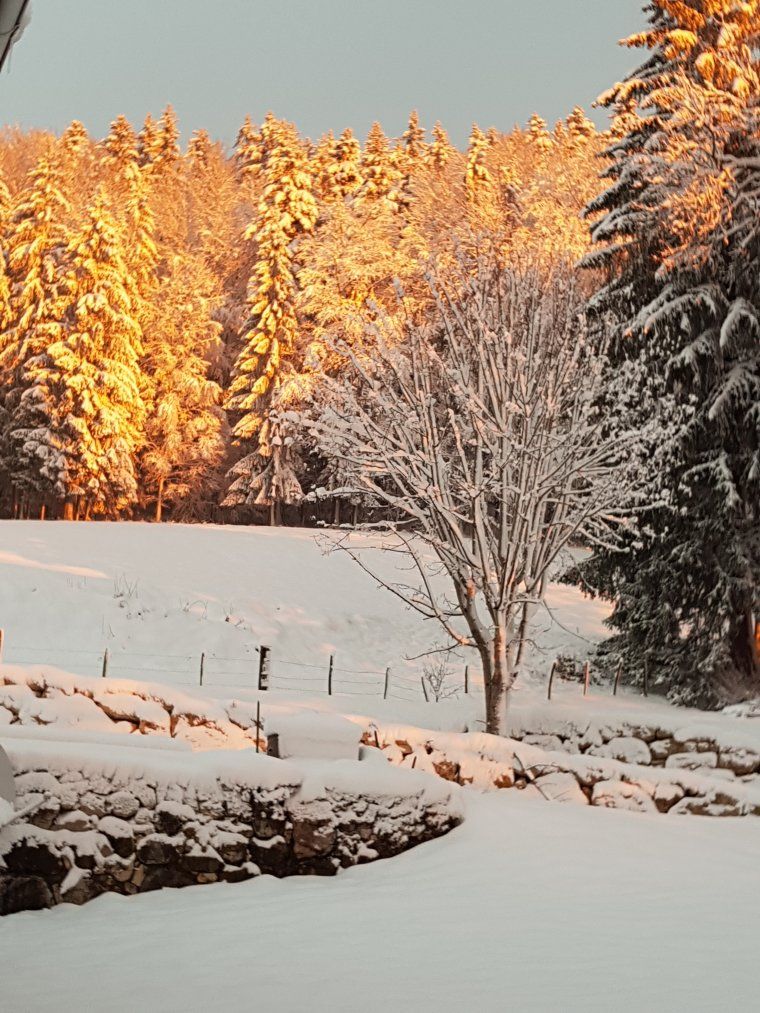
157,596
526,906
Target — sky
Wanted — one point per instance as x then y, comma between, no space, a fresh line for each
324,64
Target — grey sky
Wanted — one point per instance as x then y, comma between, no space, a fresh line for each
321,63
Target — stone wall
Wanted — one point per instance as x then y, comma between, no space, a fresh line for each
616,765
109,821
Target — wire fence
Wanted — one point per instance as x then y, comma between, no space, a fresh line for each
257,669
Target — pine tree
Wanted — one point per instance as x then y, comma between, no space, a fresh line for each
148,141
440,151
167,152
88,380
120,145
538,133
381,178
37,242
248,151
199,149
477,178
266,475
343,177
579,127
684,300
413,138
185,431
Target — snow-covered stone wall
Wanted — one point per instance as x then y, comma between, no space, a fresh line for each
690,770
102,818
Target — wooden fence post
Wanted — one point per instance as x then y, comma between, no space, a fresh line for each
424,689
203,658
551,680
586,678
264,667
330,675
387,680
104,672
618,671
466,679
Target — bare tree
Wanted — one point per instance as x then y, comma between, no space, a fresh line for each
478,433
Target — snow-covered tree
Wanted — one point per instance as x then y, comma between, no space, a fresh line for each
478,433
266,475
538,133
80,416
381,178
440,151
37,242
478,177
185,428
676,239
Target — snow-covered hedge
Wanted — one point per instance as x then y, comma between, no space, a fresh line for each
111,818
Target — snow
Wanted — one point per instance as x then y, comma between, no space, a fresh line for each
526,906
518,909
157,596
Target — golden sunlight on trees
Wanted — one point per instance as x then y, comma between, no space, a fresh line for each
162,311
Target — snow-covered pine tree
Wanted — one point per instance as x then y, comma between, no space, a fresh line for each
342,175
248,151
85,385
185,431
381,178
440,151
166,152
678,244
477,177
37,242
148,141
266,474
579,128
538,133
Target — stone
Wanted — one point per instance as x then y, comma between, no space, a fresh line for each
76,821
740,761
23,893
170,817
616,794
626,749
157,849
123,804
312,838
551,743
28,858
202,863
120,835
505,779
666,794
447,769
716,803
560,786
662,748
692,761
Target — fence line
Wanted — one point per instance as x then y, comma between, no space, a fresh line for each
263,670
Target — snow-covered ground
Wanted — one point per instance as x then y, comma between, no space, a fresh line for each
157,596
526,906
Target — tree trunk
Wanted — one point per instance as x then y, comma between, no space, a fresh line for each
160,500
68,510
43,510
744,648
272,517
498,676
336,513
